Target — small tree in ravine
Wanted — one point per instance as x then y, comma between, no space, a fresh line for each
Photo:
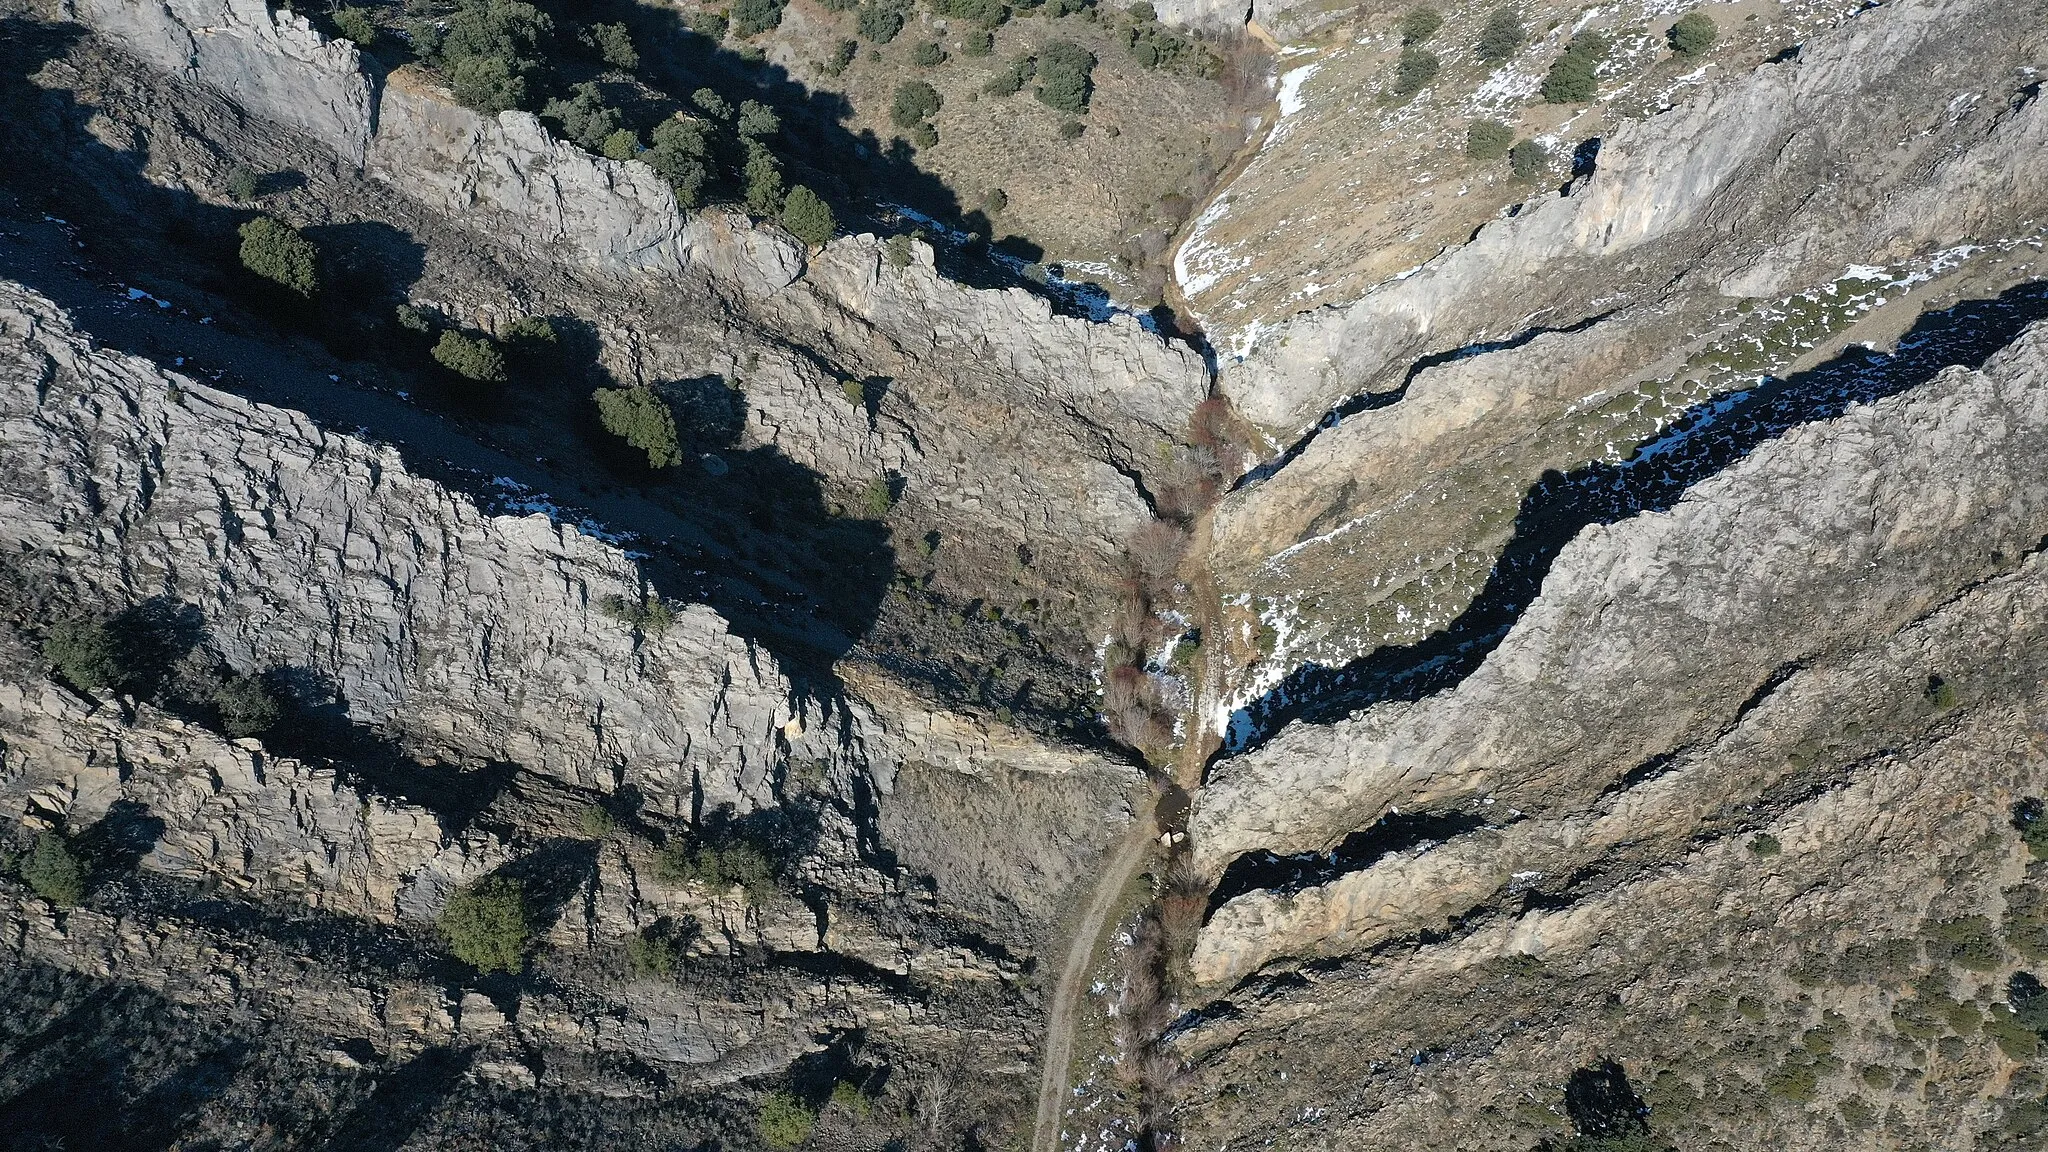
1693,34
275,251
247,706
808,217
53,871
643,420
470,357
486,925
86,653
785,1120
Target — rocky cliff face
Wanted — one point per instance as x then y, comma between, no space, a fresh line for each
1721,192
1619,680
469,638
272,63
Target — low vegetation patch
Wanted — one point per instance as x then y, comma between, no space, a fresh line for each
275,251
486,925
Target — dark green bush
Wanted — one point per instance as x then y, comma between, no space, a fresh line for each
650,615
1502,37
1068,130
764,181
244,184
897,251
924,135
839,5
87,654
785,1121
977,43
928,54
275,251
532,336
1765,844
710,25
247,706
643,420
653,953
596,822
756,121
413,318
355,24
1415,70
486,925
1488,139
613,44
583,118
1065,77
879,20
879,497
470,357
2013,1037
1966,941
753,17
2030,817
490,51
711,104
985,13
738,864
995,203
1528,159
1574,76
679,154
1693,34
915,100
489,84
808,217
1419,24
53,872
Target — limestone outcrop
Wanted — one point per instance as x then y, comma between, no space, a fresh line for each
1727,192
272,62
1651,644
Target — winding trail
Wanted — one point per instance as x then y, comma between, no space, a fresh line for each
1122,864
1138,846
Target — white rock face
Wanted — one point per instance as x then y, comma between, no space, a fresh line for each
506,176
1648,632
272,63
267,826
320,552
1764,183
1204,15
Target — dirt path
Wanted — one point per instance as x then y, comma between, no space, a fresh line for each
1130,854
1123,863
